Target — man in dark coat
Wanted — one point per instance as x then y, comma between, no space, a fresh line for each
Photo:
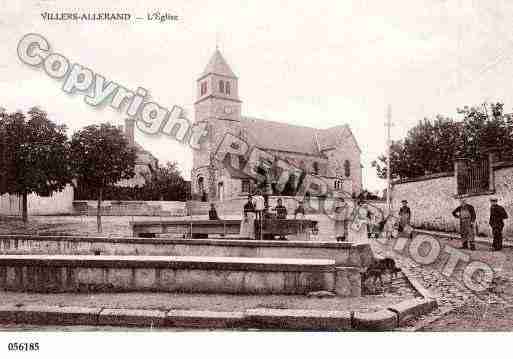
281,210
404,215
212,213
467,216
497,216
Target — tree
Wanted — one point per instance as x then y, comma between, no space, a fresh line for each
101,156
483,129
167,184
33,155
431,146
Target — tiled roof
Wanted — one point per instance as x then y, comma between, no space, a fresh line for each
149,160
292,138
218,65
332,136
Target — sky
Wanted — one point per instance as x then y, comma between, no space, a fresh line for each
311,63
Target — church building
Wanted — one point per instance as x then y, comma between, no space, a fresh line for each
331,154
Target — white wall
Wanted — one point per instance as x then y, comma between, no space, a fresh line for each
57,203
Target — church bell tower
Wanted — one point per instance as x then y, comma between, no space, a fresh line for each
219,107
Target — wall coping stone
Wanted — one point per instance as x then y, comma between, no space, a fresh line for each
476,194
502,164
495,166
171,262
170,241
424,178
185,222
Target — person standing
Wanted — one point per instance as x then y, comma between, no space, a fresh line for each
467,216
212,213
404,215
358,229
268,190
281,210
259,202
497,216
299,211
341,221
247,226
281,213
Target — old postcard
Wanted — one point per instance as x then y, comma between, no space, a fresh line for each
246,167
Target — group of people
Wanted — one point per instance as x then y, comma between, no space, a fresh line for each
257,208
466,214
353,223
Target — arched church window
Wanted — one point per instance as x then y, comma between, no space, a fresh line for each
347,168
246,186
221,86
203,88
200,185
227,88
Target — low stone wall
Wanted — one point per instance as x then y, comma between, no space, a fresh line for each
344,253
57,273
197,208
432,200
131,208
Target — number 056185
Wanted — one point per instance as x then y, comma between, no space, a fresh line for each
23,347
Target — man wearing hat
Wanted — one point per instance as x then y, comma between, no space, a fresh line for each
467,216
341,221
404,215
497,216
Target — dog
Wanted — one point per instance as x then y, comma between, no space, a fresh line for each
377,269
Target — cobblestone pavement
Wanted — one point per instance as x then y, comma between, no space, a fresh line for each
457,304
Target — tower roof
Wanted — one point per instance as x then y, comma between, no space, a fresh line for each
217,65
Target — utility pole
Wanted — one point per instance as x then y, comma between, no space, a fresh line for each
388,125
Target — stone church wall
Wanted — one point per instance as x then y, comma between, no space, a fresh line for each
336,158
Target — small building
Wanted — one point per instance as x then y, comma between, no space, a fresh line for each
145,164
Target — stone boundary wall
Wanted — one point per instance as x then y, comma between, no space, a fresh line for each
131,208
56,204
433,198
235,205
197,208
